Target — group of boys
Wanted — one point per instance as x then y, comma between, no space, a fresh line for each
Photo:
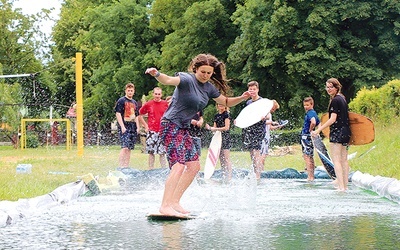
130,117
255,138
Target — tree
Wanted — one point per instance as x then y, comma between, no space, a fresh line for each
18,46
292,47
117,45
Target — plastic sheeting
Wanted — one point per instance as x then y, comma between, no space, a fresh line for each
11,211
383,186
162,173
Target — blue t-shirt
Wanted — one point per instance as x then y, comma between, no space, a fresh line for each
307,121
189,97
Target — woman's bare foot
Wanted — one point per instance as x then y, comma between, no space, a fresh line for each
170,211
178,208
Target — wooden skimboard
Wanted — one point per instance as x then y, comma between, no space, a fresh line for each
361,127
253,113
163,217
319,146
213,154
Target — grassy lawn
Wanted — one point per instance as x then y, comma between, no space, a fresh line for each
55,166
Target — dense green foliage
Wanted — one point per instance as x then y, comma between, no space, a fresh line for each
21,52
379,103
290,47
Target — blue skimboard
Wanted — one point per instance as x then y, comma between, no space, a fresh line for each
319,146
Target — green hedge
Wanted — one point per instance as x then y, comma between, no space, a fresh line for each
378,103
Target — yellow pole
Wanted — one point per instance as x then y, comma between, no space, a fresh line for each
79,103
23,134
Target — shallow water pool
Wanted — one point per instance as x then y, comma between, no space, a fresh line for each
273,214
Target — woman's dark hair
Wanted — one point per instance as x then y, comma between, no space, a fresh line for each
218,78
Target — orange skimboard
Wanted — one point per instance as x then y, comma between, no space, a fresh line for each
362,128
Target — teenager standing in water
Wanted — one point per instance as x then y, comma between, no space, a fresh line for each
205,80
339,135
222,123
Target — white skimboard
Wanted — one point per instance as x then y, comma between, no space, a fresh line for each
253,113
213,154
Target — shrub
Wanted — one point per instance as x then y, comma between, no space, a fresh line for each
32,140
378,103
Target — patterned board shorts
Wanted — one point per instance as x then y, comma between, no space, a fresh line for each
128,138
178,144
154,144
307,145
253,137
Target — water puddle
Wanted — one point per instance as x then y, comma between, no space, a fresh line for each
273,214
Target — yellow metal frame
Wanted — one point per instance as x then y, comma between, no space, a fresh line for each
23,130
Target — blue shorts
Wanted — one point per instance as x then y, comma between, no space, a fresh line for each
128,138
307,145
178,144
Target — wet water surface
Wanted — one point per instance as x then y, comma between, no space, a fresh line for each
273,214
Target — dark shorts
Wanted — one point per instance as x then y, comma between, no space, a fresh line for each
253,136
340,135
128,138
306,145
154,143
178,144
226,141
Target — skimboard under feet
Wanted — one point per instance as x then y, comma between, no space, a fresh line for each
163,217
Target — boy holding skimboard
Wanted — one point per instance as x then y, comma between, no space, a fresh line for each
254,134
311,120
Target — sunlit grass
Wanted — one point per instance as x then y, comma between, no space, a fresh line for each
55,166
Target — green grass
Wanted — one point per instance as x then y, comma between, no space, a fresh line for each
55,166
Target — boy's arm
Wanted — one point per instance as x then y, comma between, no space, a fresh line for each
143,123
313,123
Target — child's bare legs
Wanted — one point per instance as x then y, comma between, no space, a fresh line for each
310,165
263,157
226,164
346,167
257,162
124,157
341,165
